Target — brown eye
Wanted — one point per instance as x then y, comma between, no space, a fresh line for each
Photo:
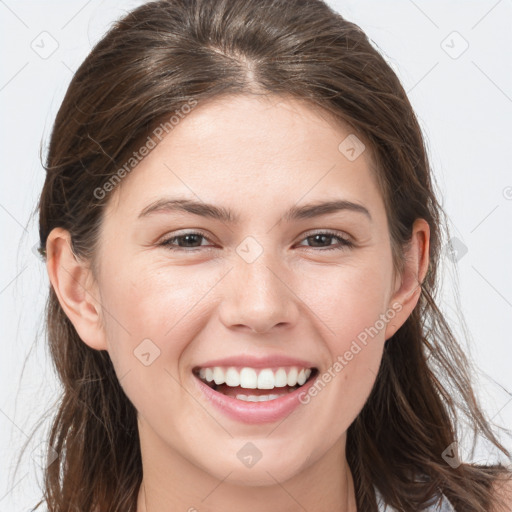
185,241
324,237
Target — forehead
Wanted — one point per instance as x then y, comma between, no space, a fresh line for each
251,151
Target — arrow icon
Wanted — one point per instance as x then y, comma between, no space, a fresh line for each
146,352
450,455
249,455
44,44
249,249
454,45
351,147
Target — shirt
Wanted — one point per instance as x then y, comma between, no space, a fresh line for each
444,505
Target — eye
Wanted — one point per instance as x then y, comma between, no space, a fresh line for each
322,236
191,241
185,241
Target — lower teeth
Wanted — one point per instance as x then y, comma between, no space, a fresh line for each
255,398
263,398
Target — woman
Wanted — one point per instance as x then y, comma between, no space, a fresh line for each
242,239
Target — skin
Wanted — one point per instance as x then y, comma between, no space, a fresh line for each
257,156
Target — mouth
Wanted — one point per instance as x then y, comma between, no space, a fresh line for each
255,384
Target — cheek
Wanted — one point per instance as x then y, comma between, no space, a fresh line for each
350,305
160,304
153,316
347,299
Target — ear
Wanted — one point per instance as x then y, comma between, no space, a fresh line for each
407,289
75,287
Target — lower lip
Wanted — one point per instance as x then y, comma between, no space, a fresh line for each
256,412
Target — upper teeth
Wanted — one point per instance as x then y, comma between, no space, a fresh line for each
249,379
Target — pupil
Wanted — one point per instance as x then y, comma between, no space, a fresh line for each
188,237
318,237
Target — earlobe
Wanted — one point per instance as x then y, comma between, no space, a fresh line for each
408,286
73,283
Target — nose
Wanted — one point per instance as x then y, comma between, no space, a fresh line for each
257,297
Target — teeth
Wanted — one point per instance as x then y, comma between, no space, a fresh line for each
248,378
266,379
254,398
232,378
280,378
292,377
218,375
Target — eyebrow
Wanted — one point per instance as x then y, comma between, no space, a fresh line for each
222,214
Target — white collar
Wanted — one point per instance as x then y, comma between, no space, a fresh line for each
444,506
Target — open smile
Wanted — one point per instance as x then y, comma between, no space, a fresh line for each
255,395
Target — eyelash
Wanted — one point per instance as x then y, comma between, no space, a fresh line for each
345,243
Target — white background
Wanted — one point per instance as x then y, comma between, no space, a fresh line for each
464,105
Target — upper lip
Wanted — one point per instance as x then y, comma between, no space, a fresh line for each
257,362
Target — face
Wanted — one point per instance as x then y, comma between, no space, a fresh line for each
178,289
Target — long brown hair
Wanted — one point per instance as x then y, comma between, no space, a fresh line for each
149,65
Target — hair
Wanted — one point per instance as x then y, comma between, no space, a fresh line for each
167,54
